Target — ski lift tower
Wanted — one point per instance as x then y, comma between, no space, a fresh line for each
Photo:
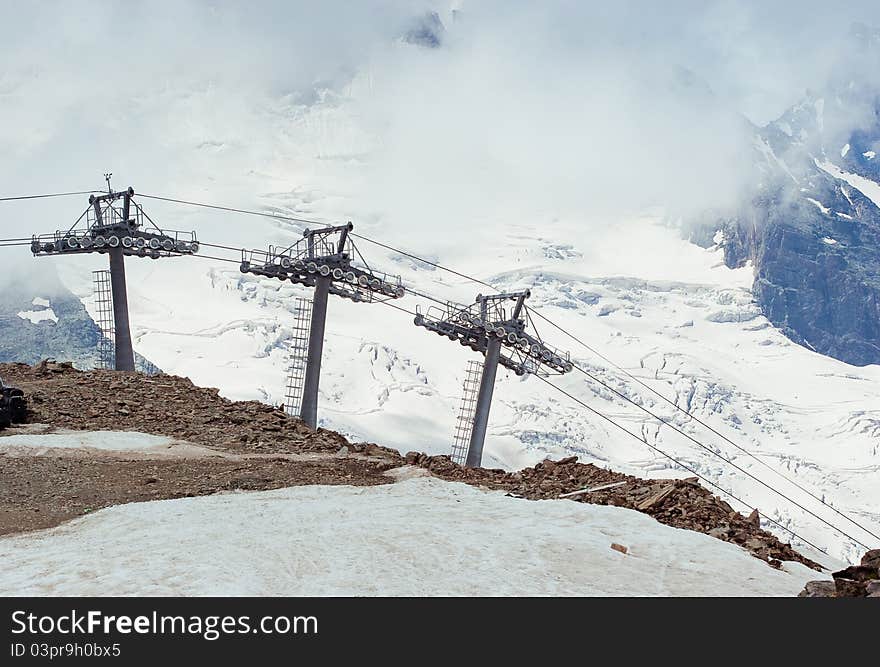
503,335
114,224
328,261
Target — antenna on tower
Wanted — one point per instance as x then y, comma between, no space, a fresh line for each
503,335
328,261
115,224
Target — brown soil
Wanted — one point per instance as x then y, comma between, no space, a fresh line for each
258,445
41,492
164,405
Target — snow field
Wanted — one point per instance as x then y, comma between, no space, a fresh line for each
419,537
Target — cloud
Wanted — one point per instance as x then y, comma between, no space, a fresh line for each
527,112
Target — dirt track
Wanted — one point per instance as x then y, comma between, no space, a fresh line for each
41,491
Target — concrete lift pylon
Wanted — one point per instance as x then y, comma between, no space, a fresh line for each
117,230
327,260
508,339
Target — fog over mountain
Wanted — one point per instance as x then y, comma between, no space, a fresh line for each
571,109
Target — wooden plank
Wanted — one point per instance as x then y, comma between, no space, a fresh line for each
590,490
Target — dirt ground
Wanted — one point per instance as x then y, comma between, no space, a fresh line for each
245,446
168,405
44,491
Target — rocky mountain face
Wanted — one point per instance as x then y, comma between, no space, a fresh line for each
427,31
811,228
100,400
41,319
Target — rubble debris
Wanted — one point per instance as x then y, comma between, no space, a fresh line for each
754,518
818,589
871,559
855,581
648,503
681,503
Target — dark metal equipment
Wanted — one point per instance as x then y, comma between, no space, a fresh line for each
328,261
298,357
464,425
104,319
13,406
115,224
503,335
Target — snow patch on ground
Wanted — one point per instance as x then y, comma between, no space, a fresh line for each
118,441
825,210
37,316
415,537
865,185
44,314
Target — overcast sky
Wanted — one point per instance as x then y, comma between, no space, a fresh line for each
546,109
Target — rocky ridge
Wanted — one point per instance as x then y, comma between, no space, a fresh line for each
681,503
856,581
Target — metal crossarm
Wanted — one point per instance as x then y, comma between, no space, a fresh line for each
473,326
324,253
116,220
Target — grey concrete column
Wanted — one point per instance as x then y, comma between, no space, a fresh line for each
484,402
309,411
124,352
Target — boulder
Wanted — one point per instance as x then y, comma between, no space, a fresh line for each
872,559
857,573
853,581
850,588
819,589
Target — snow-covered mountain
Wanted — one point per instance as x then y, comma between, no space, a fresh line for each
810,223
761,320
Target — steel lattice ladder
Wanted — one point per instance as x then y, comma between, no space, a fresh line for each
299,348
104,307
462,438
